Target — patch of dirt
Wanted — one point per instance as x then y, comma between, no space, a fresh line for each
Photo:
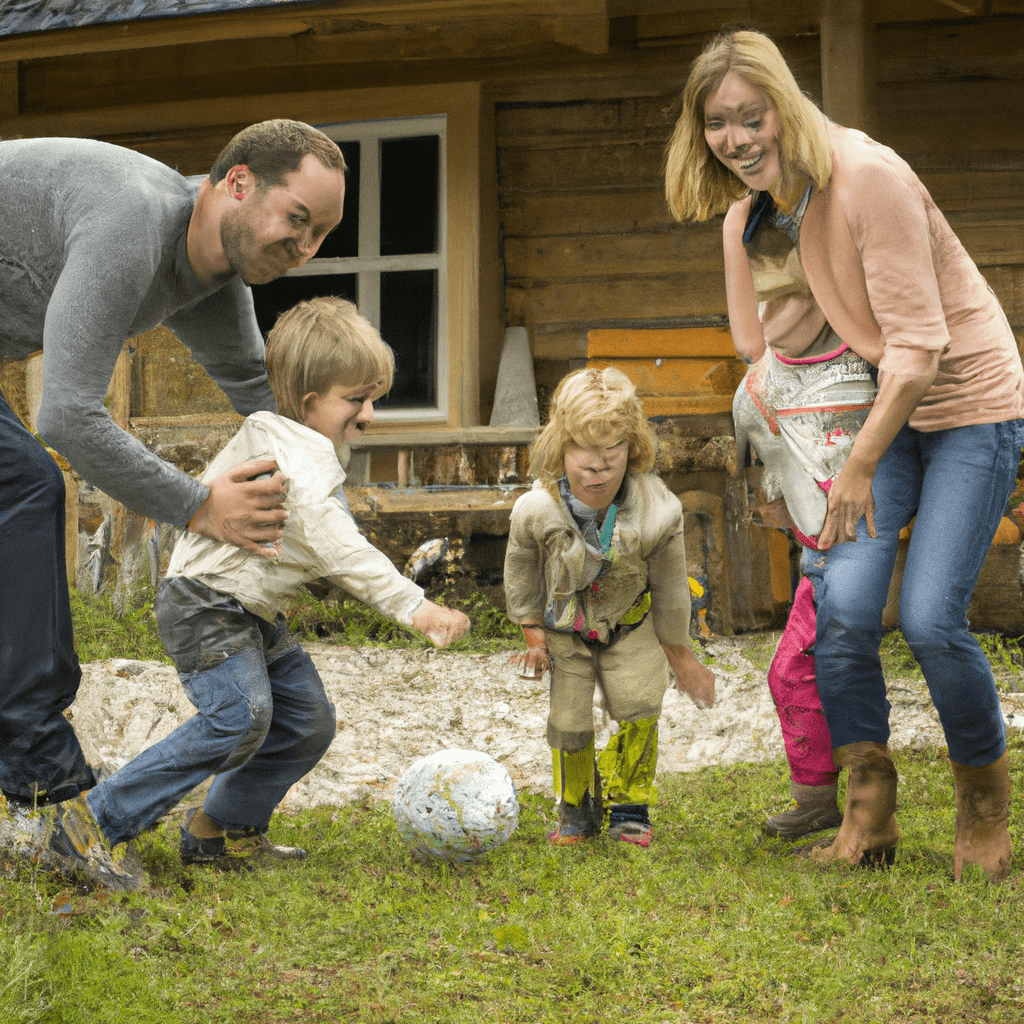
394,706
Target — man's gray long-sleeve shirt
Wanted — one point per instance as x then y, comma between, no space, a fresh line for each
93,251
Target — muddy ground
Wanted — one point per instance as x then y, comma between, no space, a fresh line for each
394,706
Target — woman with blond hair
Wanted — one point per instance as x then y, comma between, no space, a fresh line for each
830,235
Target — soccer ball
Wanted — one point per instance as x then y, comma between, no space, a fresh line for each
455,805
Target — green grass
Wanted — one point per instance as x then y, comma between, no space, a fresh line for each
709,924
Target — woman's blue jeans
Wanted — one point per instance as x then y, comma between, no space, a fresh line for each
955,485
263,722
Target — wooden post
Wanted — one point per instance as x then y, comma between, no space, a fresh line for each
847,62
9,100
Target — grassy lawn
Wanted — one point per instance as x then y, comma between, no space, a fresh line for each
711,923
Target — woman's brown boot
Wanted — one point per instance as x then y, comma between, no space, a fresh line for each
868,834
982,813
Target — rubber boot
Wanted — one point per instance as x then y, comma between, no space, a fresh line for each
578,787
814,810
982,814
868,835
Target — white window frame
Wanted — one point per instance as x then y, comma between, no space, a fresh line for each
369,264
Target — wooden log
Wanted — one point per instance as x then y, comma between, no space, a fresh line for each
10,104
567,167
595,300
590,254
700,342
957,118
615,208
846,68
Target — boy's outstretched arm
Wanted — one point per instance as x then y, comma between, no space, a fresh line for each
695,679
534,661
440,625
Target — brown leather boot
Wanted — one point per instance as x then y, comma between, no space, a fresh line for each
982,813
868,835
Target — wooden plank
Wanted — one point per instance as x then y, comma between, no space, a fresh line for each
994,243
602,255
215,68
884,12
594,301
616,208
229,113
569,167
957,118
944,51
556,122
686,405
708,382
845,69
672,343
1008,285
708,16
585,28
968,190
9,89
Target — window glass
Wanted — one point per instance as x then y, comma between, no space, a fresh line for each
408,322
271,300
387,255
408,196
344,239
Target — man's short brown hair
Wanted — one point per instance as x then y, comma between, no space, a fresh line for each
273,149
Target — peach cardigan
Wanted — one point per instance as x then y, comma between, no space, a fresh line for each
895,283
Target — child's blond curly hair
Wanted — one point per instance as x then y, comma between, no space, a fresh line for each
590,407
322,342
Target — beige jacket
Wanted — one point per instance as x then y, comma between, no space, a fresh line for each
894,282
321,539
546,559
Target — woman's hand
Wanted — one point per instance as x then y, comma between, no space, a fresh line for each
849,498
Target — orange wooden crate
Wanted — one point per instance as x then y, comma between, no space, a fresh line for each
677,372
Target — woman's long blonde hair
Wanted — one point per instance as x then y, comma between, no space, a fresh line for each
589,407
697,184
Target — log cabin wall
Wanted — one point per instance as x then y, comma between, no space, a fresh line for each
575,106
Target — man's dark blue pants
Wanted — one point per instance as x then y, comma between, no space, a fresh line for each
40,756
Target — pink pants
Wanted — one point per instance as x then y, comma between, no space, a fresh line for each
794,689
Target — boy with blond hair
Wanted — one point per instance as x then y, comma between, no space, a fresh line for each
263,718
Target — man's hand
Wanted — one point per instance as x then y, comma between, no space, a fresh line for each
245,511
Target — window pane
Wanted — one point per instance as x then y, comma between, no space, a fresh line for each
408,195
271,300
344,239
408,323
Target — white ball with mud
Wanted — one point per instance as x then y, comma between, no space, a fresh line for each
455,805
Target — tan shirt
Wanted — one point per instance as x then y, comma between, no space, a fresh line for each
895,283
547,559
321,539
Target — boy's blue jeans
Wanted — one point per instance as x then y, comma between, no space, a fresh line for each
956,483
263,719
